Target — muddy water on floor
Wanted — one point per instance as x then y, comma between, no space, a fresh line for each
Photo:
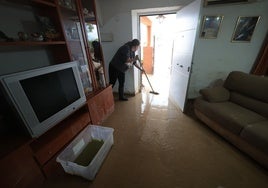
155,145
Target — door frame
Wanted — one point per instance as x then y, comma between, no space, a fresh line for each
135,14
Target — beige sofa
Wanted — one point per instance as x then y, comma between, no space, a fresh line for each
238,111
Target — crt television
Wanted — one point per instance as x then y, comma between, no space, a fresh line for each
43,97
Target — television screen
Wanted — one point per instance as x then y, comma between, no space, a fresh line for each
50,93
43,97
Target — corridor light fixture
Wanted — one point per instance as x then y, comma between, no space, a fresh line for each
160,18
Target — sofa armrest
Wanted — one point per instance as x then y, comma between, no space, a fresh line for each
215,94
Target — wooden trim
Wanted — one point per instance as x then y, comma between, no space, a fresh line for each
260,66
146,21
63,31
99,36
43,2
87,48
32,43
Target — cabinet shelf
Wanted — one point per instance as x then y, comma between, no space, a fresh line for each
96,92
90,18
42,2
28,3
31,43
73,40
67,8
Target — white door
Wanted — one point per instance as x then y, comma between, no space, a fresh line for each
187,22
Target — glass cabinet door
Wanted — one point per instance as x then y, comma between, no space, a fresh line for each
93,40
74,38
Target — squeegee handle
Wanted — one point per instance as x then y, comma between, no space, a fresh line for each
142,69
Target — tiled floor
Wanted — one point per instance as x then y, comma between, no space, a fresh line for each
156,145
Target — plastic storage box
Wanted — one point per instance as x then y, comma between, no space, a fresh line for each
70,153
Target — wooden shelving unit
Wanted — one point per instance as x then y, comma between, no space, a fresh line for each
40,153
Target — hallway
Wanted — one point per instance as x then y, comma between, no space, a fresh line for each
155,145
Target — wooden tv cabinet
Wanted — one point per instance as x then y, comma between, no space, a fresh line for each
30,161
27,162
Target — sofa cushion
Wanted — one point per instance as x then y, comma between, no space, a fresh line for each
230,115
248,85
215,94
250,103
257,135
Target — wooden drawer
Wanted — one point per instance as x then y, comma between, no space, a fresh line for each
19,169
53,169
46,146
101,105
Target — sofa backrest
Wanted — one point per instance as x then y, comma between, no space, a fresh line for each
250,103
247,84
249,91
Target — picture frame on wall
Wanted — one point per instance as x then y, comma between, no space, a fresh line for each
244,28
210,27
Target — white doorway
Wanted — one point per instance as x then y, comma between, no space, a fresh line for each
183,47
156,35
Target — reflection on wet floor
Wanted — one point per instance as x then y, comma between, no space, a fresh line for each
156,145
160,84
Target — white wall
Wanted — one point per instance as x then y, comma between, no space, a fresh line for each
215,58
116,19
